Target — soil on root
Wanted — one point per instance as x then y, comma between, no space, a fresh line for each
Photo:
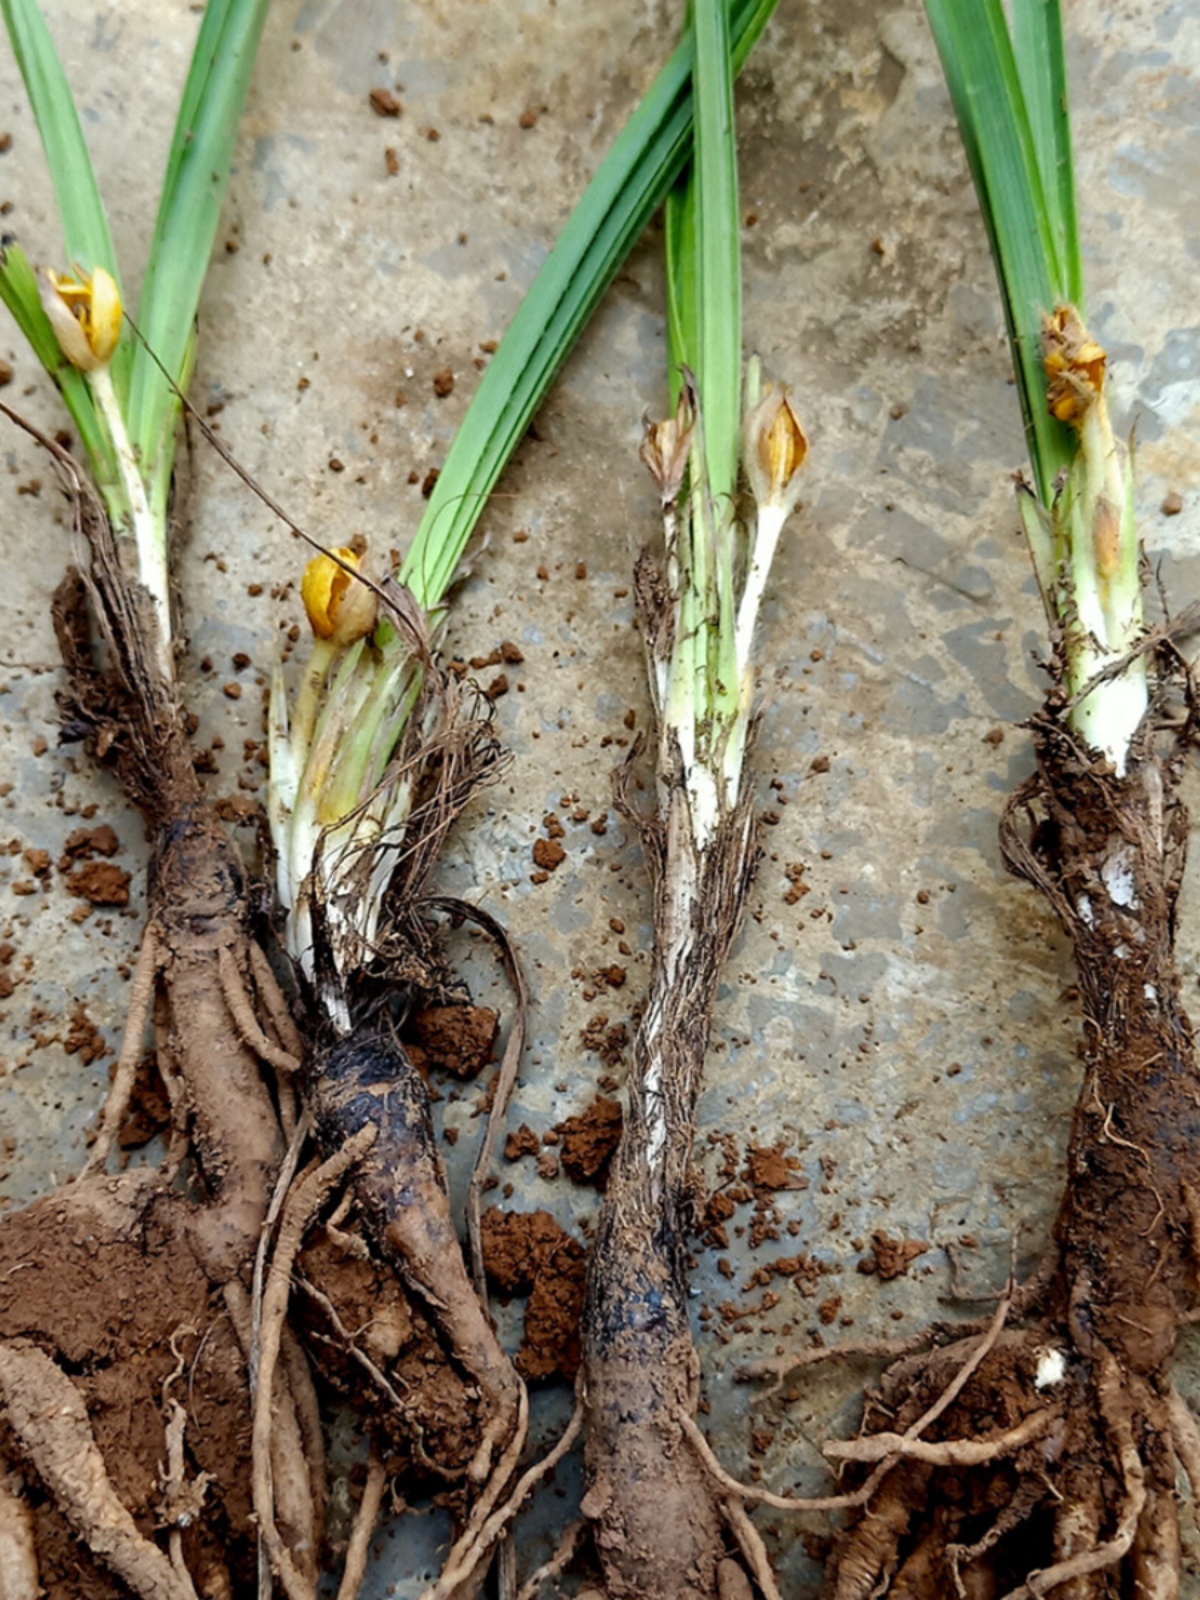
103,1278
380,1353
130,1299
658,1524
367,1081
126,1320
1054,1468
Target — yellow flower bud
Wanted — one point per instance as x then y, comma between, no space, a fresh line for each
774,449
85,313
1074,365
339,607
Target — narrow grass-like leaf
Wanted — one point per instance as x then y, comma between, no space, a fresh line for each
1041,65
81,210
981,73
189,210
679,244
631,183
718,254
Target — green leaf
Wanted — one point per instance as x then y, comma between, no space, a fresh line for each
80,208
1042,68
189,209
981,72
630,185
679,239
718,255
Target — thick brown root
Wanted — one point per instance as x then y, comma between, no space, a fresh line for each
659,1524
659,1528
105,1276
368,1081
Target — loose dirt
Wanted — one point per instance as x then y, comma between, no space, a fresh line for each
529,1253
100,883
587,1142
891,1258
458,1039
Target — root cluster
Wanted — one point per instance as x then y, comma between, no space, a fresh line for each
296,1239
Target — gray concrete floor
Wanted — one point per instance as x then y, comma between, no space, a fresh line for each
905,1028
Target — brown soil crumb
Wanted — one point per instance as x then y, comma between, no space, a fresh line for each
83,1038
384,103
524,1142
100,884
589,1141
891,1258
797,888
86,843
772,1170
149,1109
729,1310
608,1041
443,383
828,1309
527,1252
717,1212
548,854
805,1272
456,1039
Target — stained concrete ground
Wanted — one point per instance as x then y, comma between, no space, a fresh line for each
905,1027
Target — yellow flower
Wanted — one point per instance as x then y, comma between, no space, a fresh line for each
774,449
85,313
339,608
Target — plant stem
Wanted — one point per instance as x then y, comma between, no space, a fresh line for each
149,532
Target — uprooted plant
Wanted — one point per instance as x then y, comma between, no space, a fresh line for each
369,768
1038,1454
662,1522
127,1283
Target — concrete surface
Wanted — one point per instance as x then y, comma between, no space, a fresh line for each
905,1027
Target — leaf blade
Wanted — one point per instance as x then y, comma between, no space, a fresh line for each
631,183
